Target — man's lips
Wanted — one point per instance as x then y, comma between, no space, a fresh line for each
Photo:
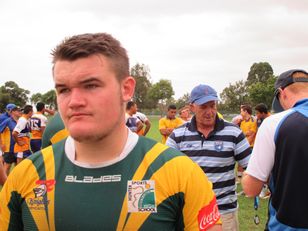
78,115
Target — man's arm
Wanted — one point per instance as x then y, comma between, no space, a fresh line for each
139,125
147,127
166,131
49,111
2,174
251,185
262,159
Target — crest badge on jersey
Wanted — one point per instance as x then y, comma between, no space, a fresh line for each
218,145
141,196
40,200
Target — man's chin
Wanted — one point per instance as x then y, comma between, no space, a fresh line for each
84,137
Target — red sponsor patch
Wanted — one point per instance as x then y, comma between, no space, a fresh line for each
49,184
208,215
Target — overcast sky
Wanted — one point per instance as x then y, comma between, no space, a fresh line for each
188,42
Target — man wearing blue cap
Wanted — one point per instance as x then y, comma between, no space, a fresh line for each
4,116
280,155
215,145
7,114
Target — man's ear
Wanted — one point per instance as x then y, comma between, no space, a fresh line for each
128,88
192,107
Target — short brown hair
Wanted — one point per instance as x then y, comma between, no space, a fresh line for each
247,108
85,45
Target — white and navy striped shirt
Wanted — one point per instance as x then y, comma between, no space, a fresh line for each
216,155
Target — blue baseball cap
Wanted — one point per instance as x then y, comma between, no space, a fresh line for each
202,94
10,107
285,79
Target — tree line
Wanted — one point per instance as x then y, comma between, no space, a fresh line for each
155,97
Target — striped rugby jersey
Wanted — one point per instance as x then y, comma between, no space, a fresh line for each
216,155
153,188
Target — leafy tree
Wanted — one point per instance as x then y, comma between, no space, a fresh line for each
259,72
50,99
161,91
10,92
262,92
182,101
35,98
141,74
233,96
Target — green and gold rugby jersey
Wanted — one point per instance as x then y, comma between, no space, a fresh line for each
153,188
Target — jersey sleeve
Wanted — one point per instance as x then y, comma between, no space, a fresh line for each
10,201
44,121
21,124
200,210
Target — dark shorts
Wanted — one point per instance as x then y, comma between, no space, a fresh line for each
24,154
36,145
9,157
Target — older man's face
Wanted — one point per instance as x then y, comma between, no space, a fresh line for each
205,113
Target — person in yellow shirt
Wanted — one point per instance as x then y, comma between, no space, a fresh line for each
169,123
248,124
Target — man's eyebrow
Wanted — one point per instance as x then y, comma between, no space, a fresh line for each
86,81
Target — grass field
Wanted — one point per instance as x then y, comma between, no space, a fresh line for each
246,210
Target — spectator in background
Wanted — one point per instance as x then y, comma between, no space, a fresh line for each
261,113
3,117
7,141
7,113
248,124
249,127
280,155
146,123
184,113
216,145
168,123
132,121
38,123
21,134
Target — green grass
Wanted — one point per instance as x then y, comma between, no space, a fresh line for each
246,205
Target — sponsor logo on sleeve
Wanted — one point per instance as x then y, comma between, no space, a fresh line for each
141,196
208,215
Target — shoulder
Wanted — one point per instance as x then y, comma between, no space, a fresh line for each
231,128
169,159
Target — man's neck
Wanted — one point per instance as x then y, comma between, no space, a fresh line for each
247,117
205,130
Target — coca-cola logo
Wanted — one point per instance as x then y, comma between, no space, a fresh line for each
208,215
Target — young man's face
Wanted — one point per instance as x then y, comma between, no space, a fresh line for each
243,113
90,98
16,113
205,113
259,115
171,113
185,113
